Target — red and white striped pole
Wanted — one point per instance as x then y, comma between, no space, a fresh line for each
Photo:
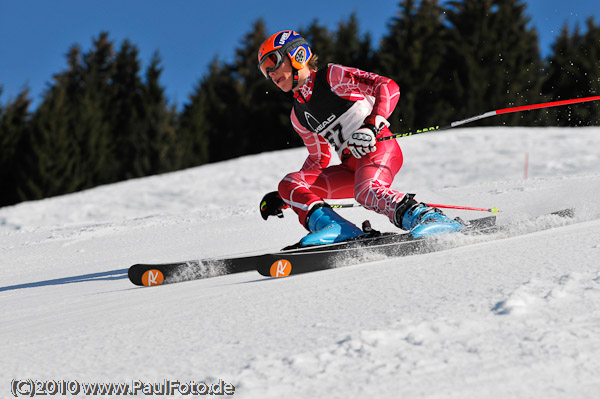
493,113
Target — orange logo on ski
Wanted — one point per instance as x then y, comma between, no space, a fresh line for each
152,277
281,268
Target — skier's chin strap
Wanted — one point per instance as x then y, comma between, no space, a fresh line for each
295,77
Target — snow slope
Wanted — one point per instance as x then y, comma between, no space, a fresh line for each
518,316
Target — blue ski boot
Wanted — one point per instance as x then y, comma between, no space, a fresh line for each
327,227
421,220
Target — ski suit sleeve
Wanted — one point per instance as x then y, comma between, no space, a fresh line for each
319,153
354,84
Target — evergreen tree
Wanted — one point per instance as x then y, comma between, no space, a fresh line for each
322,43
99,123
53,163
412,54
239,110
574,71
193,129
350,49
13,130
493,58
93,128
159,122
132,146
212,114
68,142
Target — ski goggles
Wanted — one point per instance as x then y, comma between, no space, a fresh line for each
270,62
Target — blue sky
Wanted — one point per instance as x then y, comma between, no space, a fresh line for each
35,35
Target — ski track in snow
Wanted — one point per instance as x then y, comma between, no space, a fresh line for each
511,315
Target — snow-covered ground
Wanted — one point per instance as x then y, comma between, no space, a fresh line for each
515,317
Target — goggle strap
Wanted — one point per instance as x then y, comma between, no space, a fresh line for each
294,43
283,50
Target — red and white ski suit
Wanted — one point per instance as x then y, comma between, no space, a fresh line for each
328,120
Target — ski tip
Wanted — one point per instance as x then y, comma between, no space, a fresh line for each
280,268
495,210
145,275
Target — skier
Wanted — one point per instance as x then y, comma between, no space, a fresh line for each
347,109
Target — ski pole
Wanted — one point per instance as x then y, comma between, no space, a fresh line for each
492,113
493,210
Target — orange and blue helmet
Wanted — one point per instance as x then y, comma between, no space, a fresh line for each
272,51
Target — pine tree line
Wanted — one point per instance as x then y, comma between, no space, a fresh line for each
103,119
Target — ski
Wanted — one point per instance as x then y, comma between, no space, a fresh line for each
322,257
287,263
168,273
295,260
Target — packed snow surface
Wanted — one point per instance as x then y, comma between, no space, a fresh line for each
510,316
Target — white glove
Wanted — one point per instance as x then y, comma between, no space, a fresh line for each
364,141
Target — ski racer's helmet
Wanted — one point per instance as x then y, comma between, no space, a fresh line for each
272,51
